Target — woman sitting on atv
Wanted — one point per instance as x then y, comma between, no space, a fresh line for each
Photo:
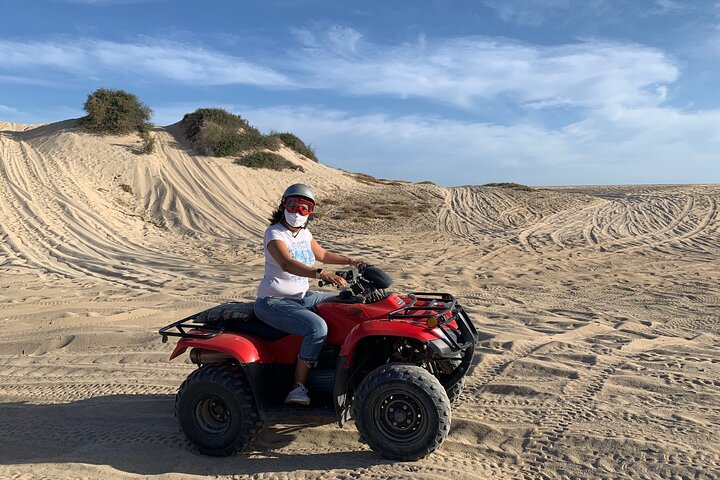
283,300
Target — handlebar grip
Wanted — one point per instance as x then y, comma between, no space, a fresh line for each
322,284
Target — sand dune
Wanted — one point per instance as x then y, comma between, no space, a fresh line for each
597,309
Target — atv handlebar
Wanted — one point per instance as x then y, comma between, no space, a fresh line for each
350,275
366,280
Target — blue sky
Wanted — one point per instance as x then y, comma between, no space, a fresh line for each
541,92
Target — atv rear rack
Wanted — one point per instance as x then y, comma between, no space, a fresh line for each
440,304
191,323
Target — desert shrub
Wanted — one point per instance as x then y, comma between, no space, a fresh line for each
510,185
294,143
269,160
114,112
214,139
214,131
147,141
126,188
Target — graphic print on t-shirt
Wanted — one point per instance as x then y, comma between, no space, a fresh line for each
302,254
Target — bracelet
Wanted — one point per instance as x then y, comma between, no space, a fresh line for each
349,261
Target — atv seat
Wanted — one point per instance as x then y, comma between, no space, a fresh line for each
239,317
257,327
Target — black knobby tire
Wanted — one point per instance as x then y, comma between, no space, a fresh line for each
454,392
402,412
216,410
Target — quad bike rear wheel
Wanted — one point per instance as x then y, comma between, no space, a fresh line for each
402,412
216,410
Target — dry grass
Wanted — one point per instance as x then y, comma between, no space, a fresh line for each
370,180
384,207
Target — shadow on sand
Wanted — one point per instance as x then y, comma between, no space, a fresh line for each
138,434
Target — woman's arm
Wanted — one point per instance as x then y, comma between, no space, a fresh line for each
330,258
279,251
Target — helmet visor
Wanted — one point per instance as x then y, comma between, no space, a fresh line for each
299,205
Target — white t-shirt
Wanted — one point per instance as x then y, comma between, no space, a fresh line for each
277,282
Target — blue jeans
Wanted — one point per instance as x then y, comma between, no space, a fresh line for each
297,317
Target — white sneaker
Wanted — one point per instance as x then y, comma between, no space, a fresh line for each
298,396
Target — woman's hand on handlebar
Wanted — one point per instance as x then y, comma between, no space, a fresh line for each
357,261
330,277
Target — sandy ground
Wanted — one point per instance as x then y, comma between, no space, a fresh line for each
597,307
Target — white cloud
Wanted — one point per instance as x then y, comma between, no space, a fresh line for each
337,38
183,63
668,6
566,12
462,71
29,81
527,12
644,145
4,109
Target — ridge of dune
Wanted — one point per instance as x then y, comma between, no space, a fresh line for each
596,306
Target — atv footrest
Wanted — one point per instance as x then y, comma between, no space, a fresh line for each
298,414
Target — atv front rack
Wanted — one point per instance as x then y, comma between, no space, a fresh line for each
448,300
441,304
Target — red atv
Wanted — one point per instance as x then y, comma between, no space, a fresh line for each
392,362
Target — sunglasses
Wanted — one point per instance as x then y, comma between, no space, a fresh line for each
299,205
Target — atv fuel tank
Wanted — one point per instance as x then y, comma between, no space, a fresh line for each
342,317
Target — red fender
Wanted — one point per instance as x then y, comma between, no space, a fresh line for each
384,328
238,347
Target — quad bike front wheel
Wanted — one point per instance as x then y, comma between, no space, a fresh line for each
454,392
402,411
216,410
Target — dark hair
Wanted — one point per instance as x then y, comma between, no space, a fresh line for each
278,215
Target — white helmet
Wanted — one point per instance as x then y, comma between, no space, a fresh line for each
299,190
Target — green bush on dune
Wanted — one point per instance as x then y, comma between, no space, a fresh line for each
214,131
147,145
211,131
114,112
269,160
293,142
217,132
117,112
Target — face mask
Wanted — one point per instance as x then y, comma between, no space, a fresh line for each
295,219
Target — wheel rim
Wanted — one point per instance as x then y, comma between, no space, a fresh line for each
212,415
400,417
